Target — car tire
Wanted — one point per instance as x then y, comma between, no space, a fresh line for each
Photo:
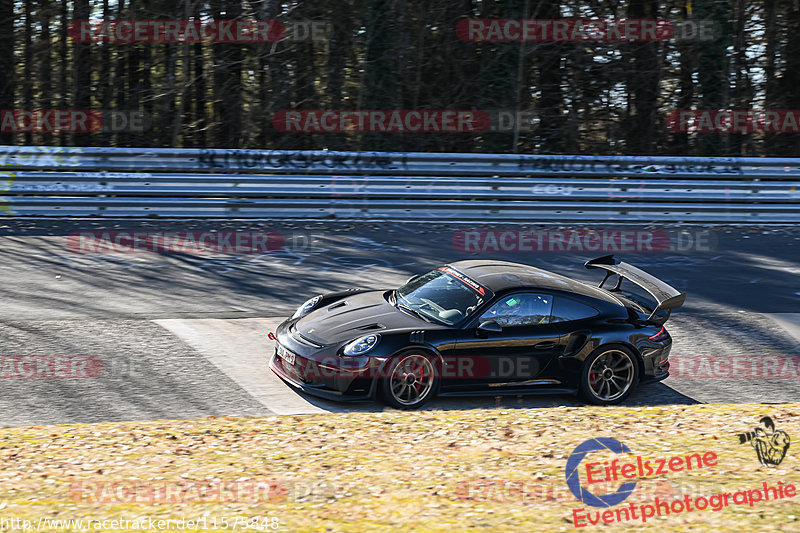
609,375
409,381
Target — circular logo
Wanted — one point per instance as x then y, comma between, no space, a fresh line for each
574,481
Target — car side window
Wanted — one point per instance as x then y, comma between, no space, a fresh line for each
521,309
567,309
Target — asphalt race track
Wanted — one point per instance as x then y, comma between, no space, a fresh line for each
184,335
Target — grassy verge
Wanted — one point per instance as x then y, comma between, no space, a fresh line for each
496,470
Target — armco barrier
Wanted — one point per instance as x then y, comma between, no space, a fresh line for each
131,182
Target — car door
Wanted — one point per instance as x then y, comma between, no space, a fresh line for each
517,353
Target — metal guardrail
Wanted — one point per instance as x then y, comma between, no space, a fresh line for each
195,183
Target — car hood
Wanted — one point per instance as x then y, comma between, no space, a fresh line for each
354,316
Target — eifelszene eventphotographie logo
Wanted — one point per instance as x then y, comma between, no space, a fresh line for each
770,444
630,467
574,480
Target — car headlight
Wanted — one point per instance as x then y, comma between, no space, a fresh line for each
361,345
307,306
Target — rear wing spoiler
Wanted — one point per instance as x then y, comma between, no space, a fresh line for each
668,297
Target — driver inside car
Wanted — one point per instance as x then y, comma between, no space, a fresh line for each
520,310
505,311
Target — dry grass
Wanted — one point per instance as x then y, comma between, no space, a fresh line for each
390,471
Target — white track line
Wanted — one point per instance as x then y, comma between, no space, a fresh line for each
788,321
240,349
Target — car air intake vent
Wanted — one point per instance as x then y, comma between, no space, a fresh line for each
298,337
417,337
370,327
337,305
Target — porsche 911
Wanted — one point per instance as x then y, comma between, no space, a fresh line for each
481,327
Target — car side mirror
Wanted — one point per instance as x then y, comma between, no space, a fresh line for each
490,326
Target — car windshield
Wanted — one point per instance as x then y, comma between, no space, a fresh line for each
440,297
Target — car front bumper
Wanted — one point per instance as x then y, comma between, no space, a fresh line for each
321,371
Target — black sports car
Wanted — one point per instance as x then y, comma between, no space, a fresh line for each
481,328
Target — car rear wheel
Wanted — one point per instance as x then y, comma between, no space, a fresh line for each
609,375
409,381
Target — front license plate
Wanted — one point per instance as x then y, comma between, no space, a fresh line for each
286,355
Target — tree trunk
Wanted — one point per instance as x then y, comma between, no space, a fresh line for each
64,88
105,75
82,60
790,80
381,80
45,64
227,80
499,75
148,97
339,53
304,78
7,63
680,140
199,119
643,82
742,90
186,72
771,85
121,79
551,131
277,94
712,73
27,65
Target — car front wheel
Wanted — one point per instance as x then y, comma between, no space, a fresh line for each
410,381
609,375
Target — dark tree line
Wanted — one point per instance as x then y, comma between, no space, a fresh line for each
585,97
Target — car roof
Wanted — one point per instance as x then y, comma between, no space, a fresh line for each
501,275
